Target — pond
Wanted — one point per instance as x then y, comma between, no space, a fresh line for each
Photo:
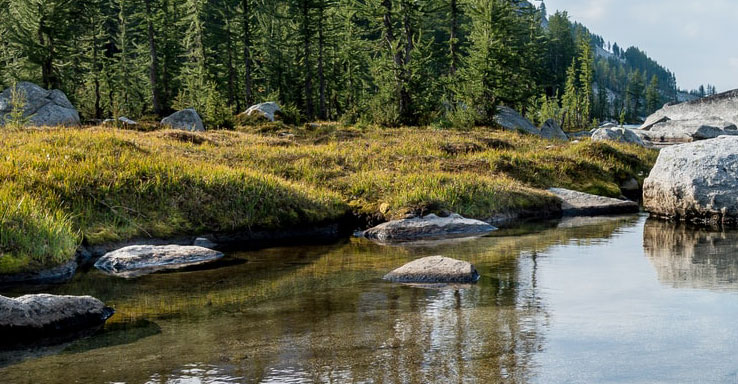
617,299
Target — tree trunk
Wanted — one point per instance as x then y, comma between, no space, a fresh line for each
321,75
154,65
231,70
306,57
453,36
247,51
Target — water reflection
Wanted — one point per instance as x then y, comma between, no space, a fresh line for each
323,314
689,257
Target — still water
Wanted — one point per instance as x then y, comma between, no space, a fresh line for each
587,301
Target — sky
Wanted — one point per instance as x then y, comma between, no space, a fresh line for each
694,39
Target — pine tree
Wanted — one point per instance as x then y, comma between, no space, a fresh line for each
653,97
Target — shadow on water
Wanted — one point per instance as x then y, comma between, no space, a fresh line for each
685,256
322,314
101,337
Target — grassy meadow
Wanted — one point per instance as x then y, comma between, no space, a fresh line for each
63,187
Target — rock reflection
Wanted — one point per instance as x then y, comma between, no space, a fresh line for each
688,257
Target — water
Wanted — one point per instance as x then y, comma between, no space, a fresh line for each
608,300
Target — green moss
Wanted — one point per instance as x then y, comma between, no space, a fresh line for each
103,184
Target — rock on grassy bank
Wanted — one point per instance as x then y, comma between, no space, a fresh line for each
66,187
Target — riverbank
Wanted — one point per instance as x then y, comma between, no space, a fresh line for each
69,187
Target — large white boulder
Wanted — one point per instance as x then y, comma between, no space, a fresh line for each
695,182
723,106
685,131
41,108
186,120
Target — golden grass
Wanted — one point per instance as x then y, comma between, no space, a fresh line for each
102,184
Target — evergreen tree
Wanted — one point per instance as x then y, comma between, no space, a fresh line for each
653,97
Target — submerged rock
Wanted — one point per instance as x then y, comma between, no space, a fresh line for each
33,317
186,120
552,131
139,260
575,203
60,274
621,135
695,182
511,120
435,270
429,227
41,108
266,110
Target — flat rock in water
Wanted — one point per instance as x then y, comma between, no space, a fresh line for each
695,182
139,260
36,316
429,227
186,120
575,203
435,270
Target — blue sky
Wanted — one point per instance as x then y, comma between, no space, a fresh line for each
696,40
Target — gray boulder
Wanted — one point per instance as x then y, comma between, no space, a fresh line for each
575,203
41,108
186,120
511,120
139,260
37,316
695,182
621,135
430,227
723,106
552,131
267,110
435,270
122,120
686,131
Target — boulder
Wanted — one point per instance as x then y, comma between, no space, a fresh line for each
621,135
430,227
695,182
686,131
579,135
41,108
511,120
37,316
139,260
552,131
122,120
609,124
267,110
575,203
186,120
723,106
435,270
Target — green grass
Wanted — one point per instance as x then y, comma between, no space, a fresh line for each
62,187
